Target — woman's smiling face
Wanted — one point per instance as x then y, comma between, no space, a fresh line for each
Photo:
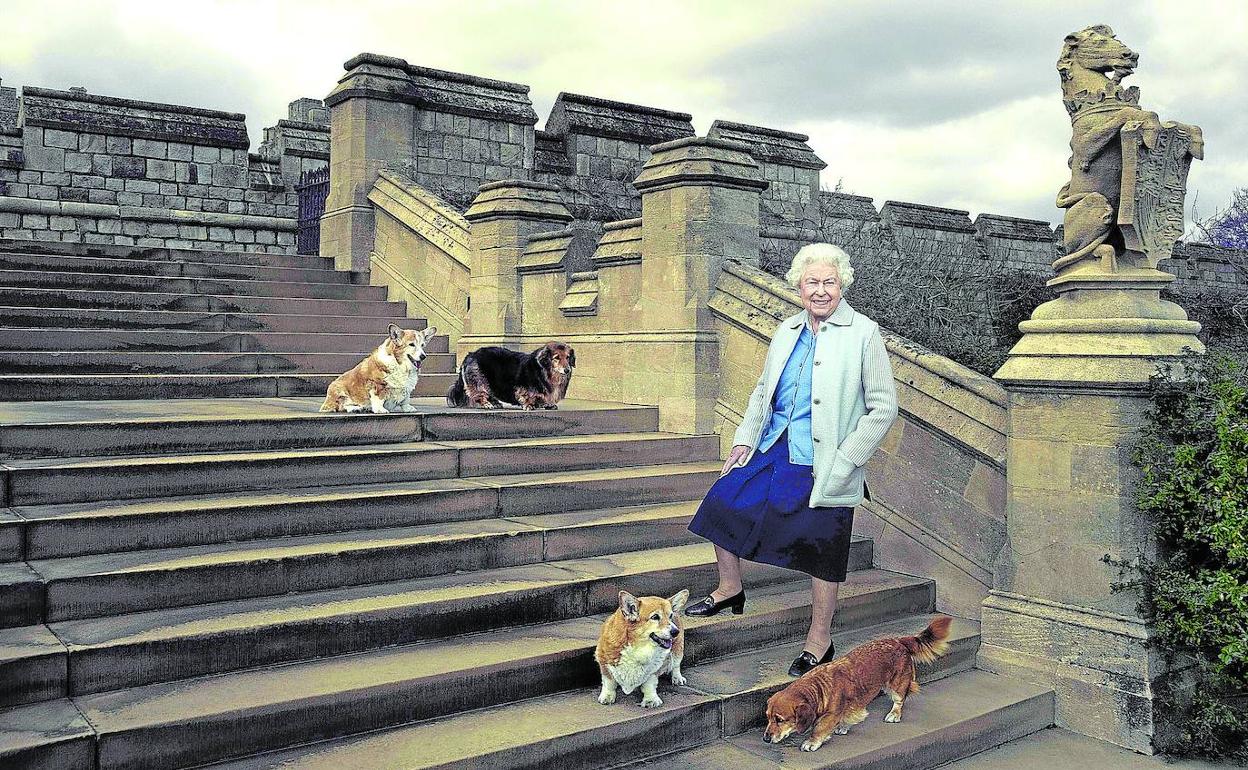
820,289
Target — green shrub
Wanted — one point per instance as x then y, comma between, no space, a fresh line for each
1193,454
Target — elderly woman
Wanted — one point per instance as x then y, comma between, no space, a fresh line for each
787,492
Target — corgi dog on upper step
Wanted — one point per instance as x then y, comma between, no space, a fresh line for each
384,381
640,641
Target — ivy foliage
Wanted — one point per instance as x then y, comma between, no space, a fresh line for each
1193,457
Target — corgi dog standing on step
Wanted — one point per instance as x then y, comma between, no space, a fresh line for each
639,641
384,381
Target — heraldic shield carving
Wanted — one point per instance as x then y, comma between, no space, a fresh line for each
1154,184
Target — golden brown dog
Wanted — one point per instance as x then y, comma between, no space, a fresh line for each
642,639
382,382
834,696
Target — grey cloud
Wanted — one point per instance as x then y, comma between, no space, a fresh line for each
900,66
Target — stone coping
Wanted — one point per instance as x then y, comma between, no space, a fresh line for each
999,226
593,116
903,214
393,79
770,144
87,113
139,213
846,206
413,188
430,72
621,224
319,128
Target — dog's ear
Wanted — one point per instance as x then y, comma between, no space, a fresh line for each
572,357
803,715
432,330
395,332
629,607
678,601
543,357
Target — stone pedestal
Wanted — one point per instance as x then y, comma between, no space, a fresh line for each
1076,404
502,218
699,201
370,127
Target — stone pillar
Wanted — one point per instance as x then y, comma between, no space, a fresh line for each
501,218
372,119
699,201
1076,384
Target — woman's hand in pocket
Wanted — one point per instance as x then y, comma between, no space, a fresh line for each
737,454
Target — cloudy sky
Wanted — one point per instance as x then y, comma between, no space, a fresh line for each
952,103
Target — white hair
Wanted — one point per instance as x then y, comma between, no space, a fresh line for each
820,254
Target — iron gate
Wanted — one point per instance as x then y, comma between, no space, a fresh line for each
313,189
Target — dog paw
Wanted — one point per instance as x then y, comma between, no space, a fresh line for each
606,698
893,718
811,745
409,408
678,678
651,703
842,729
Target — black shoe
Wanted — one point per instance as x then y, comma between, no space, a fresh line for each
709,606
806,661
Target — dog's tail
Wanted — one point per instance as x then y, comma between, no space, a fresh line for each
931,644
457,395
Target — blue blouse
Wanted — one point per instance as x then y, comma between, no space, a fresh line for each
791,403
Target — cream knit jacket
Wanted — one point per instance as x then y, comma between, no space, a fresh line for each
854,401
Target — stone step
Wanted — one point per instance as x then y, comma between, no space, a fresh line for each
162,320
83,362
169,268
569,728
10,279
66,387
50,481
259,258
123,651
99,298
53,531
244,712
955,717
134,581
33,660
33,667
94,428
21,595
52,735
169,341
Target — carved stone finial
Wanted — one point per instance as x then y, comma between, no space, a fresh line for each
1118,151
1124,211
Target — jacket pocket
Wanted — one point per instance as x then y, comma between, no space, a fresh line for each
844,479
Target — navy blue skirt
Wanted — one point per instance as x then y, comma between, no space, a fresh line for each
759,512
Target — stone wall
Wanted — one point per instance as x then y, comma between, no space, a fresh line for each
98,169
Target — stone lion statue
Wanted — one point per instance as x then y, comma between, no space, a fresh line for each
1092,66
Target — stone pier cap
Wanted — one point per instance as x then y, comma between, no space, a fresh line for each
699,160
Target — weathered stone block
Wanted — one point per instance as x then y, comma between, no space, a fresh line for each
127,167
78,162
131,227
119,145
149,148
41,158
130,199
42,192
92,143
102,165
67,140
35,221
160,169
109,226
179,151
144,186
56,179
61,223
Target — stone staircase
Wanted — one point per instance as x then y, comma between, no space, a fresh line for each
422,590
105,322
246,583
